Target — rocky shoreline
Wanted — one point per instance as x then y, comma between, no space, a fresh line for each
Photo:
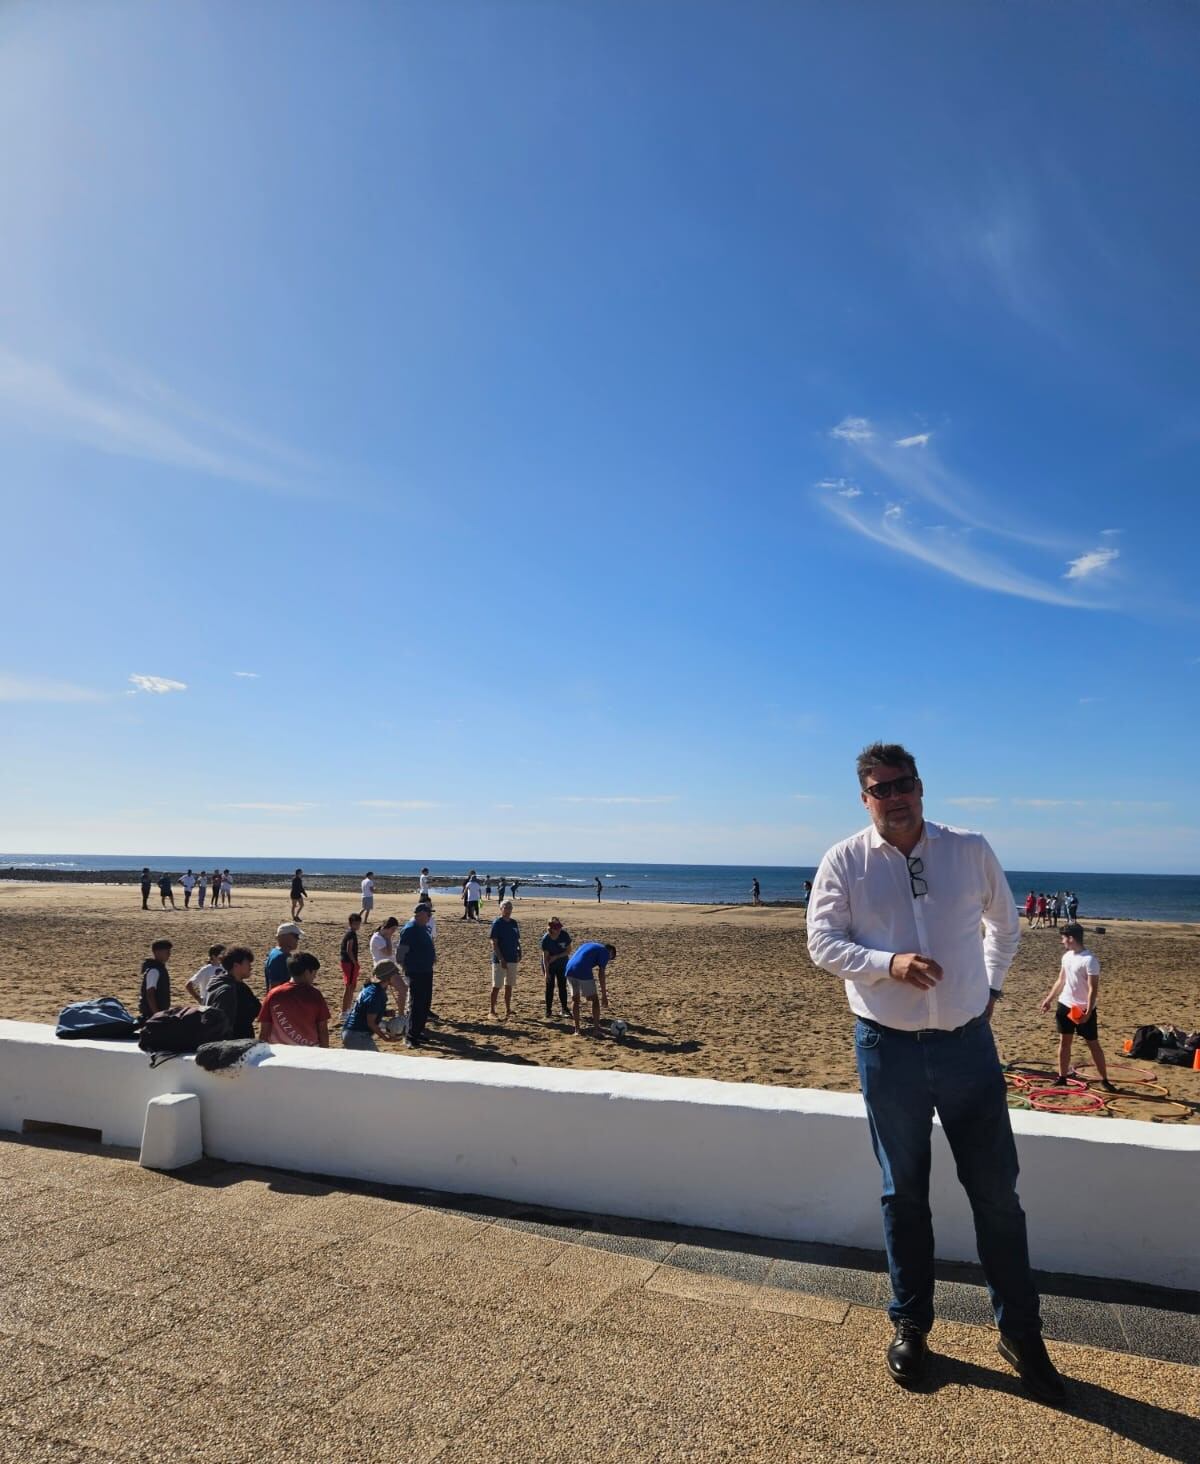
385,884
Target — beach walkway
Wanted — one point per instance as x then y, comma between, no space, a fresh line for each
226,1313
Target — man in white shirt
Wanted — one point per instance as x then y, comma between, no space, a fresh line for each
1077,989
188,881
368,895
197,987
896,912
423,881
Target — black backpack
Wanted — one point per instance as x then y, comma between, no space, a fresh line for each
1146,1042
182,1029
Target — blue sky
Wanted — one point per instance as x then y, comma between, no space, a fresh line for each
519,430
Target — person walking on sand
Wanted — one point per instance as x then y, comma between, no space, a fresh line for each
147,886
226,888
755,891
165,892
1030,907
348,958
423,880
188,881
472,894
1076,990
368,895
897,912
299,894
216,888
599,889
201,888
505,935
586,967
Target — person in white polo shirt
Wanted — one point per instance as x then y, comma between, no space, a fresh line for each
896,913
368,895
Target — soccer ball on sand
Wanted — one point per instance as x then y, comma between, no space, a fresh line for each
396,1025
618,1027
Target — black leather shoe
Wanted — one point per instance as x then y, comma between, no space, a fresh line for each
907,1354
1032,1362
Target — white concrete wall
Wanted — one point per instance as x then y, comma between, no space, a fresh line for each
1104,1198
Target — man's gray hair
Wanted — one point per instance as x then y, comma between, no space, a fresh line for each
884,755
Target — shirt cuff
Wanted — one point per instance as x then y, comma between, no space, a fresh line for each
879,968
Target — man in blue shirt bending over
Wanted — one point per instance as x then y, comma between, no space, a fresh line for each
587,966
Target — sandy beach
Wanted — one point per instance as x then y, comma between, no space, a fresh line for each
726,992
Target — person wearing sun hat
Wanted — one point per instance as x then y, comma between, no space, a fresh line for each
287,941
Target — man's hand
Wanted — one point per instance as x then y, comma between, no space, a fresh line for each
991,1007
916,970
1046,1005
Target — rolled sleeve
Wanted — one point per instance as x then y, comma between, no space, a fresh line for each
831,944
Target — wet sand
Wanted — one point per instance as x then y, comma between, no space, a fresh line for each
714,992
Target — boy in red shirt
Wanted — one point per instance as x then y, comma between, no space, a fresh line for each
296,1014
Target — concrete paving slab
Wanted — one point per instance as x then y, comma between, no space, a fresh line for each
801,1304
864,1288
1066,1319
29,1367
459,1337
700,1286
712,1261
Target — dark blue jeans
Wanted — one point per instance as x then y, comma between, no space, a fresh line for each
905,1076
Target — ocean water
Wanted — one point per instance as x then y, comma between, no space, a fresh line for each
1101,896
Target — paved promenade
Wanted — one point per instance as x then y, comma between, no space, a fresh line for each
227,1314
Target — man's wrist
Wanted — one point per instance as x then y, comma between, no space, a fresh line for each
997,994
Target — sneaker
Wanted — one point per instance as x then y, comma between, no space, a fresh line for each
907,1354
1107,1086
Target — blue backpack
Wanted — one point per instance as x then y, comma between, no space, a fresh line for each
102,1017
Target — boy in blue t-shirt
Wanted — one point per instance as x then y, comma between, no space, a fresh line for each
364,1020
587,965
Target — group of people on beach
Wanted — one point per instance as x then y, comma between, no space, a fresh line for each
1042,910
219,883
402,959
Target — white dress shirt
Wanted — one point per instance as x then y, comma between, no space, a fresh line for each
862,912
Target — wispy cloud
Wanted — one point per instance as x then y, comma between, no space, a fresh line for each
1090,563
117,412
37,689
395,803
619,798
267,807
917,507
973,801
853,429
158,685
1110,533
1050,802
249,675
844,486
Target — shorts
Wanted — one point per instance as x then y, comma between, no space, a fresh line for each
359,1042
584,987
1086,1029
504,975
368,902
350,974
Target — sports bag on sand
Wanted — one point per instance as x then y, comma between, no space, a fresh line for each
103,1017
1146,1042
182,1029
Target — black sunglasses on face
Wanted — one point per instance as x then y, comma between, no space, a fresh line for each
895,785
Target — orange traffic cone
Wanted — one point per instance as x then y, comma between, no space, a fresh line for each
1196,1061
1129,1044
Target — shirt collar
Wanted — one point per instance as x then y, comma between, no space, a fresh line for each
876,840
